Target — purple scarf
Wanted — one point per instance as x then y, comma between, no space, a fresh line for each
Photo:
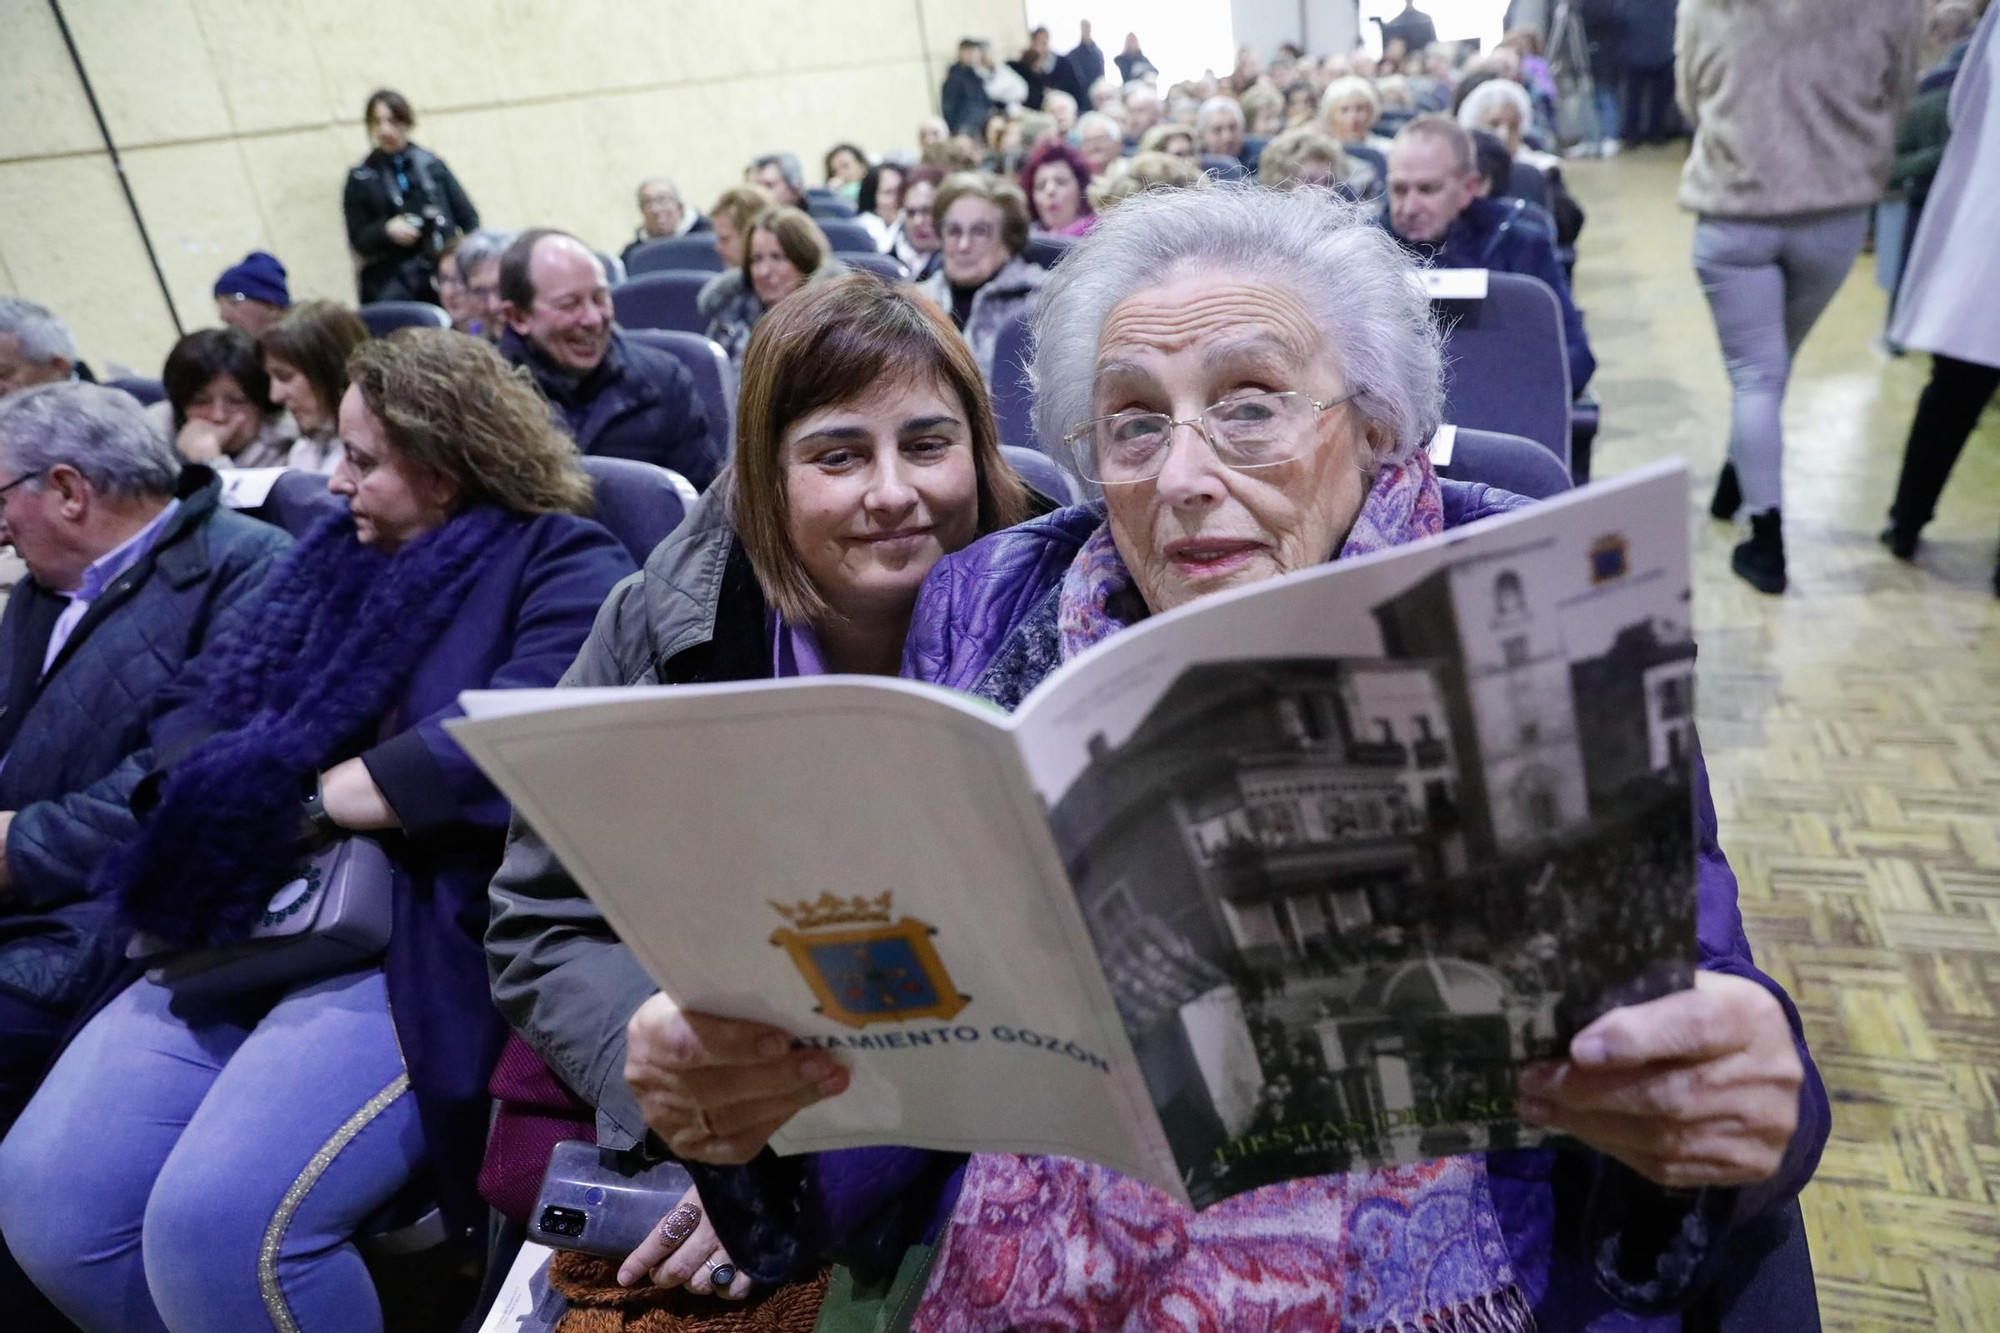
1053,1242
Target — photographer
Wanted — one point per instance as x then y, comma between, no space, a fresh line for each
402,204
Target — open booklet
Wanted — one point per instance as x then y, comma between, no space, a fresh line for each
1285,882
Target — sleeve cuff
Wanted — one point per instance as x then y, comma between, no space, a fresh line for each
412,782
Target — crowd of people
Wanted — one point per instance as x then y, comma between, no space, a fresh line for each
195,701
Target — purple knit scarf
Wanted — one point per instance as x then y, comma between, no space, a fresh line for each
1051,1242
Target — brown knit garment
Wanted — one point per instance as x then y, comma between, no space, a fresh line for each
599,1305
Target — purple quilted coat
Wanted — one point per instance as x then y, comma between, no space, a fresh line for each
1596,1246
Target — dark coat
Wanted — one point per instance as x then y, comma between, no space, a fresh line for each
1415,28
1134,66
1511,236
1086,65
373,196
964,103
640,403
1646,33
76,739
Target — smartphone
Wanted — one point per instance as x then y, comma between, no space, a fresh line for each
603,1203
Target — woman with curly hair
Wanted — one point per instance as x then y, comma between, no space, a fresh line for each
219,1151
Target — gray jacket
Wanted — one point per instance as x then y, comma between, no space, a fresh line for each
560,975
1014,290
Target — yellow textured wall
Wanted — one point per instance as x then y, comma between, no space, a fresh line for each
237,122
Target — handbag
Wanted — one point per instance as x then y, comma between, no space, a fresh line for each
333,915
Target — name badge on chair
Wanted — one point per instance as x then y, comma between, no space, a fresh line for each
1455,284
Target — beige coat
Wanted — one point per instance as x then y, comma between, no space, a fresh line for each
1794,102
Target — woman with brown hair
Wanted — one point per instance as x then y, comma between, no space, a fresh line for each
783,251
234,1141
866,452
401,205
305,355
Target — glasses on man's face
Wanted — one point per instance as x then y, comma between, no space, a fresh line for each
979,233
21,480
1249,431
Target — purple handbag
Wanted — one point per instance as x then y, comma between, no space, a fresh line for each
335,915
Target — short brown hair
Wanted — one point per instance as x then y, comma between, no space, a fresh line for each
461,413
315,338
830,344
398,107
1002,194
798,236
740,204
1443,129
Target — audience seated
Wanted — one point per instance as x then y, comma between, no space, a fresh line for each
1061,107
984,282
1168,137
35,347
218,408
476,256
305,357
218,1156
617,398
730,218
780,176
879,202
662,213
131,561
1437,210
1135,175
1350,107
1054,179
914,239
402,204
1220,126
1166,289
1100,139
1305,156
252,295
785,251
1263,111
1142,110
777,573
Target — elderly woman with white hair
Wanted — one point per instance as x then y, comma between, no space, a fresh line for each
1350,106
1502,108
1249,378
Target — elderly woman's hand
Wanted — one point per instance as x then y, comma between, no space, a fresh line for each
683,1251
1696,1088
717,1089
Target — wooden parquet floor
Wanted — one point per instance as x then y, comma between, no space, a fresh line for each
1852,730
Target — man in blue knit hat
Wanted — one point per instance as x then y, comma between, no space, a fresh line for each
252,295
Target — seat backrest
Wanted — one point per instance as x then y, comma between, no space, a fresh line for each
1013,399
1045,251
1507,363
614,267
713,379
145,390
1361,152
661,301
689,254
1222,168
385,317
888,266
639,503
827,204
1510,462
298,501
1042,474
841,235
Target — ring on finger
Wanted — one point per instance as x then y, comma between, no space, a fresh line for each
678,1225
721,1274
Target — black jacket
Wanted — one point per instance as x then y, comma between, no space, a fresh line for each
640,403
75,739
1086,64
965,103
375,194
1414,27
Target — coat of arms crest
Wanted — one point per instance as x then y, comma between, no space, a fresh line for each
864,968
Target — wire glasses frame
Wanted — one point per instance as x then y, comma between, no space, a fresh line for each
1253,431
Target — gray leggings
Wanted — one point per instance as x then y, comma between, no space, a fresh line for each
1767,280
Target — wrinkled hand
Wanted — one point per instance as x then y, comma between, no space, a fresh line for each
691,1261
1700,1087
402,231
717,1089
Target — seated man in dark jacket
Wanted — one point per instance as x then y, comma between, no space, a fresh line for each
130,560
617,397
1436,210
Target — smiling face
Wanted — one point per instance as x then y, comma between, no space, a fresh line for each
570,318
879,489
291,390
1201,526
773,274
1058,198
392,502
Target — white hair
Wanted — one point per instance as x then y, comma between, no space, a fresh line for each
1052,95
1352,85
1097,122
1218,106
42,337
1360,289
1137,91
667,181
1480,101
103,433
484,244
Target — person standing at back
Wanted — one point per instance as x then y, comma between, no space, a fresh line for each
1413,27
402,204
1086,60
964,101
1794,109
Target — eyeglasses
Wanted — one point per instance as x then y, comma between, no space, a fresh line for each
1252,431
983,232
23,479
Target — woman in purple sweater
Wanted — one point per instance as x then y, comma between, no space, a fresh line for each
1251,378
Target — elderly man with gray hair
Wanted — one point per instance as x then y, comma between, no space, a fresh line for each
780,176
663,213
35,347
1219,127
132,561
